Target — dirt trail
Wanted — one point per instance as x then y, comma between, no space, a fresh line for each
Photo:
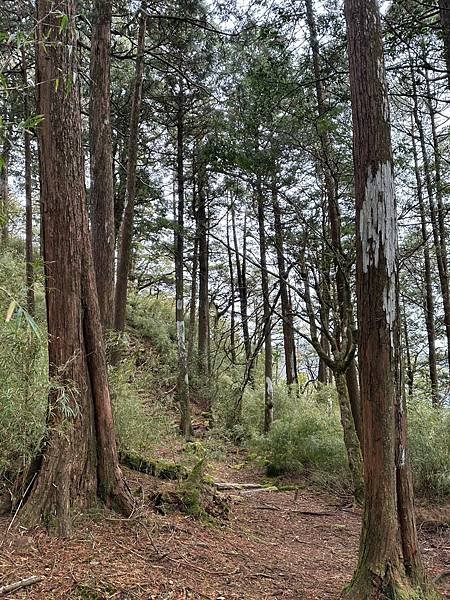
274,545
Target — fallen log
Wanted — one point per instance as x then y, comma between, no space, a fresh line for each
246,487
156,468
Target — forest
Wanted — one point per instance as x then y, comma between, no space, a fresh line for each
225,299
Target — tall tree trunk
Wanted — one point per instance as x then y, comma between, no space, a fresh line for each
441,257
389,564
352,443
444,6
4,190
334,216
102,186
242,282
28,196
428,294
193,304
126,232
409,367
286,308
440,216
203,276
182,392
79,458
120,189
232,292
267,321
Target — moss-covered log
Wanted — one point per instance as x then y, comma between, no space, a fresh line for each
153,467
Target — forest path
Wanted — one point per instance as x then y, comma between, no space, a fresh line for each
274,545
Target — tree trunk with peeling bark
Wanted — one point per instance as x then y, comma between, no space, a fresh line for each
390,564
79,458
102,186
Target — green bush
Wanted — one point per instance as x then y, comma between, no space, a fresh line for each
429,446
307,441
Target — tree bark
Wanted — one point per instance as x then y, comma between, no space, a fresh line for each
444,8
182,391
79,459
4,191
428,294
267,320
286,308
351,440
126,231
409,367
242,283
193,305
203,276
102,185
232,293
29,258
389,564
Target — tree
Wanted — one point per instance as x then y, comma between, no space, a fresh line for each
102,185
29,269
79,459
182,391
444,7
126,231
389,564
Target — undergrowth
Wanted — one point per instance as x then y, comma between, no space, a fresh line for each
306,439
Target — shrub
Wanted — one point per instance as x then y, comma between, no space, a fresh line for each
429,444
308,441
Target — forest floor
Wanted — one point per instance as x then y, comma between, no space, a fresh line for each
273,544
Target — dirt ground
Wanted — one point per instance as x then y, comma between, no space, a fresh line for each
290,545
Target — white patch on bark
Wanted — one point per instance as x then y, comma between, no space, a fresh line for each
269,386
402,461
179,304
378,231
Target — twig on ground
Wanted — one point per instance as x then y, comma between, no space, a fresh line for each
12,587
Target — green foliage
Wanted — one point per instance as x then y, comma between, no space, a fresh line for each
141,426
429,445
24,384
307,440
154,320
